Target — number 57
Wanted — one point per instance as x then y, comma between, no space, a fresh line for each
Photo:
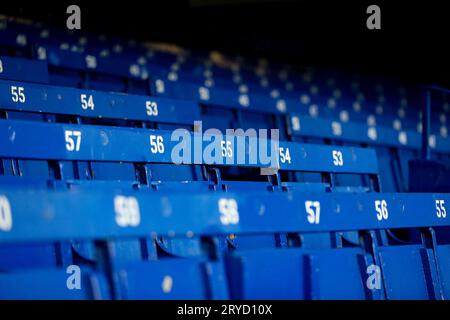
73,140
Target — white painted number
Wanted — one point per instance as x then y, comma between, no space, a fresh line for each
160,88
127,211
285,155
227,151
229,213
157,144
91,62
1,66
440,209
73,140
338,159
203,93
313,210
5,214
42,53
152,108
18,94
87,102
382,210
21,40
336,128
295,123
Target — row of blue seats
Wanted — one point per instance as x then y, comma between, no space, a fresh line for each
85,148
328,274
215,120
317,98
31,94
167,75
113,157
26,101
98,104
89,162
281,106
408,271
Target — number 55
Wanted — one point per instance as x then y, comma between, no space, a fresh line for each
440,209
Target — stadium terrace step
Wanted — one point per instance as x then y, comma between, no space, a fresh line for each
41,217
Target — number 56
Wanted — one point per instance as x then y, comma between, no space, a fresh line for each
382,210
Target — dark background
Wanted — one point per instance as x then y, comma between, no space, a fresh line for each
413,43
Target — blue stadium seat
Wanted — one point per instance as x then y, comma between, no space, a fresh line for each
172,279
268,274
